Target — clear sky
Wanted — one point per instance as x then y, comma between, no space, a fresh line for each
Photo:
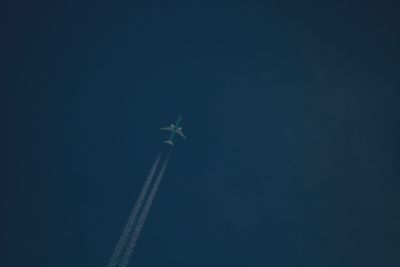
290,109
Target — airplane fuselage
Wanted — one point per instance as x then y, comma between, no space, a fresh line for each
174,129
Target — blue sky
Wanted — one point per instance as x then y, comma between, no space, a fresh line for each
290,108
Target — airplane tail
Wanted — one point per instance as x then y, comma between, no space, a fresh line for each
169,142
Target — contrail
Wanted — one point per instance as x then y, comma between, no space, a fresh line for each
132,218
143,216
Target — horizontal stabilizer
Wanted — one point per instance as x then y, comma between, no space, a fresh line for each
169,142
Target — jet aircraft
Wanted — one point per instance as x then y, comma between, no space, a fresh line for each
174,129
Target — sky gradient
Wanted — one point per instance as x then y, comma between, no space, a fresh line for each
290,109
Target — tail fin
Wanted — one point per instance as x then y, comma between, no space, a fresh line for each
169,142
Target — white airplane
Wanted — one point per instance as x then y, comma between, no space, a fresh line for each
174,129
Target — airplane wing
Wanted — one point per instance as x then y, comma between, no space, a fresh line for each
169,128
179,131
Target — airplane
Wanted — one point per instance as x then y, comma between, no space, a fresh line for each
174,129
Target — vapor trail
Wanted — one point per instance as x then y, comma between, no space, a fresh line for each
132,218
143,216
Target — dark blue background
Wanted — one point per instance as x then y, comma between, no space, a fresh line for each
290,108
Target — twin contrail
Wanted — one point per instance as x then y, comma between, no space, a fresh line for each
132,218
137,218
135,224
143,216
